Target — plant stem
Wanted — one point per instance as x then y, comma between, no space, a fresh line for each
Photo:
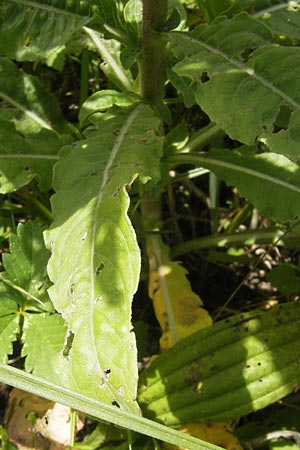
152,80
152,67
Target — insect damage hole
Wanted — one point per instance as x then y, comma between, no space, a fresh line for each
115,403
204,77
68,343
99,268
104,379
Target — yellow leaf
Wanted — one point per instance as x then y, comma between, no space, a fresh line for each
178,309
216,433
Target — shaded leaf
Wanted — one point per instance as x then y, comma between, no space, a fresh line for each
252,6
283,20
213,8
110,51
36,30
95,259
270,181
286,141
26,101
232,67
285,278
24,158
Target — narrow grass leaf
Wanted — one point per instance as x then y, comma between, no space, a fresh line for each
100,410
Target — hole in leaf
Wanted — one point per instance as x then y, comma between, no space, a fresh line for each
204,77
282,120
68,344
247,53
99,268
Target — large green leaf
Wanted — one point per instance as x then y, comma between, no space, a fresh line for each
35,30
270,181
23,158
95,259
26,101
240,79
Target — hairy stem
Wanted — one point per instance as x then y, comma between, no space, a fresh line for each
152,79
152,67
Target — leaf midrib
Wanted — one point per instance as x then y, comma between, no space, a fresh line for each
199,159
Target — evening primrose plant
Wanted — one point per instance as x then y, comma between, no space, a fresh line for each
94,182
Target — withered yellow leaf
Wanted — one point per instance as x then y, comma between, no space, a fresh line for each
178,309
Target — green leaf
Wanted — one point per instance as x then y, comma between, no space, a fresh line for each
43,338
24,158
95,261
27,102
37,30
25,280
270,181
286,141
182,85
253,6
9,328
101,101
24,283
213,8
285,278
133,14
283,20
232,67
110,51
